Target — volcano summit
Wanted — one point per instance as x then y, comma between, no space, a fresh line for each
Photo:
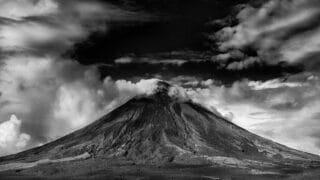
158,130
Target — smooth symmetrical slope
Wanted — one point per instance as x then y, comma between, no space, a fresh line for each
161,129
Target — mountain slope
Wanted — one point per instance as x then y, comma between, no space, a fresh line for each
158,129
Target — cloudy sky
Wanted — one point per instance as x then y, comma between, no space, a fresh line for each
63,64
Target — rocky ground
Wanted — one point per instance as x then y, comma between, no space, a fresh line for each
115,169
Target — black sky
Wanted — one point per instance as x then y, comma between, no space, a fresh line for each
175,25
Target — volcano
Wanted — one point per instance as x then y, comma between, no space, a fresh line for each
162,130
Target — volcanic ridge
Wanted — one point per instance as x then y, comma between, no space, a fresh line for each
159,129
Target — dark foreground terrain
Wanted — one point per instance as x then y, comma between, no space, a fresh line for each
102,169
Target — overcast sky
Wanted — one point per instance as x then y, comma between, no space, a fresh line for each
64,64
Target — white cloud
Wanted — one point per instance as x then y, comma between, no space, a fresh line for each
11,138
259,22
18,9
274,84
282,100
123,60
53,102
297,48
128,60
62,23
50,101
177,62
207,82
279,30
54,95
286,112
76,106
24,36
243,64
144,86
